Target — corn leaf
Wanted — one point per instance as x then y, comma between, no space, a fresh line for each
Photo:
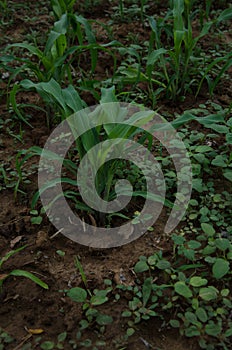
29,275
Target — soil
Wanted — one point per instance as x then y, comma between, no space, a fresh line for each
23,304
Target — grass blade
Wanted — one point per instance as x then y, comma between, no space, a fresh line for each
29,275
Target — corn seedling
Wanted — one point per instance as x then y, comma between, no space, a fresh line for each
69,102
127,11
55,61
20,273
60,7
4,10
177,66
79,266
59,48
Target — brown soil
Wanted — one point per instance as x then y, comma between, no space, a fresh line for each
23,304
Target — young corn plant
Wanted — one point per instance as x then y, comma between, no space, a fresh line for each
55,62
178,66
17,272
68,102
127,11
4,11
59,7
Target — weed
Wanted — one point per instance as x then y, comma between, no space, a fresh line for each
204,305
90,302
5,339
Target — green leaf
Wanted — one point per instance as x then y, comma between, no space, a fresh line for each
198,281
32,49
83,324
195,303
163,264
222,243
146,290
208,229
219,161
77,294
200,158
225,15
154,56
228,175
221,129
182,289
62,336
108,95
213,329
220,268
98,300
189,254
34,212
126,313
86,343
101,343
178,240
208,250
203,149
201,314
130,332
174,323
208,293
60,252
103,320
152,260
73,99
29,275
192,331
229,138
79,266
225,292
197,185
228,333
194,244
191,317
9,254
193,202
14,104
135,303
47,345
36,220
141,266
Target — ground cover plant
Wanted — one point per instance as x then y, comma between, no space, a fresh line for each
162,290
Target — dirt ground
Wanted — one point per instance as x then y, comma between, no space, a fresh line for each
23,304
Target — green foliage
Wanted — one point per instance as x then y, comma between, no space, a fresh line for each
17,272
172,63
201,306
59,53
198,277
179,65
60,7
68,102
129,11
90,301
191,289
5,339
